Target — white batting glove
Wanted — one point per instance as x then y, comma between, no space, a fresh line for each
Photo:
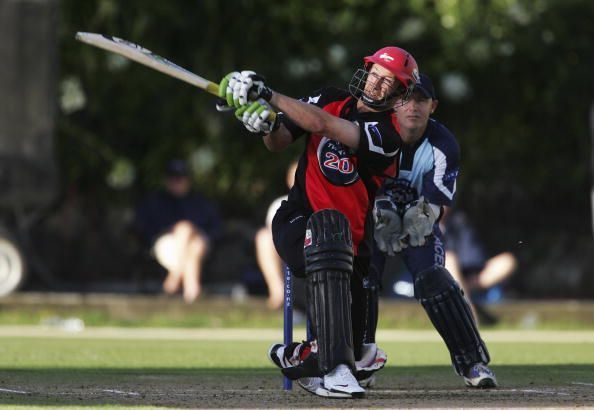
255,117
240,88
418,222
387,232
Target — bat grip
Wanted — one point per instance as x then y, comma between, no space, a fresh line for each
213,88
253,95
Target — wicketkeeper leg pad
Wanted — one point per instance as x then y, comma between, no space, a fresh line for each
450,313
328,267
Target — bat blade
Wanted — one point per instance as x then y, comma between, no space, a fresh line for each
146,57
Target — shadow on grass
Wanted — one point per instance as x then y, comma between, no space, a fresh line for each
426,386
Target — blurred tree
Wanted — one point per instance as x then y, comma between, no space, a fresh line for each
514,78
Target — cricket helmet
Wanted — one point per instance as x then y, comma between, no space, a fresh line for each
400,63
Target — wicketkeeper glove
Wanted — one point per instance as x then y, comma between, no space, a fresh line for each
418,221
255,117
387,232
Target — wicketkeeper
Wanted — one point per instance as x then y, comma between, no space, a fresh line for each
406,223
324,230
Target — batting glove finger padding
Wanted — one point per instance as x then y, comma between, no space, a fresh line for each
255,117
241,88
237,84
226,88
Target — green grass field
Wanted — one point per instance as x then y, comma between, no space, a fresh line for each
157,368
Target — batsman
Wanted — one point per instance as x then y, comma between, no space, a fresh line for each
324,231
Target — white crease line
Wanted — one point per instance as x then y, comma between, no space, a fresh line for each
260,391
558,393
583,384
422,391
129,393
14,391
465,391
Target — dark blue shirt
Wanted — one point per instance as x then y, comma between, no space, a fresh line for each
158,212
429,167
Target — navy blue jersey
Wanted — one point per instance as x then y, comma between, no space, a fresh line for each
428,168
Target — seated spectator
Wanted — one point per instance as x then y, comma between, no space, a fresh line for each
178,225
269,261
481,277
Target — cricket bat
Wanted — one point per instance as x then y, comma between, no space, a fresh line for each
148,58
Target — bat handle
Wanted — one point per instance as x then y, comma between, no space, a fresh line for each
212,88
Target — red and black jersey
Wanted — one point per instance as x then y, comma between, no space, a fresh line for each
331,175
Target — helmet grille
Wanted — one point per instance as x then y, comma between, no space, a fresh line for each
357,90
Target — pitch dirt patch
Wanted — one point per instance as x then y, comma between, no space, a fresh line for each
250,397
108,380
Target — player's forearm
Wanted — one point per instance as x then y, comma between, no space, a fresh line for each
306,116
278,140
315,120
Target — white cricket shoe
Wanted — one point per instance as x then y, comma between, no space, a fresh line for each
314,385
341,381
368,382
480,376
372,360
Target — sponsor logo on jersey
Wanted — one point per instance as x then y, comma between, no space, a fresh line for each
386,56
450,176
439,252
308,240
336,162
